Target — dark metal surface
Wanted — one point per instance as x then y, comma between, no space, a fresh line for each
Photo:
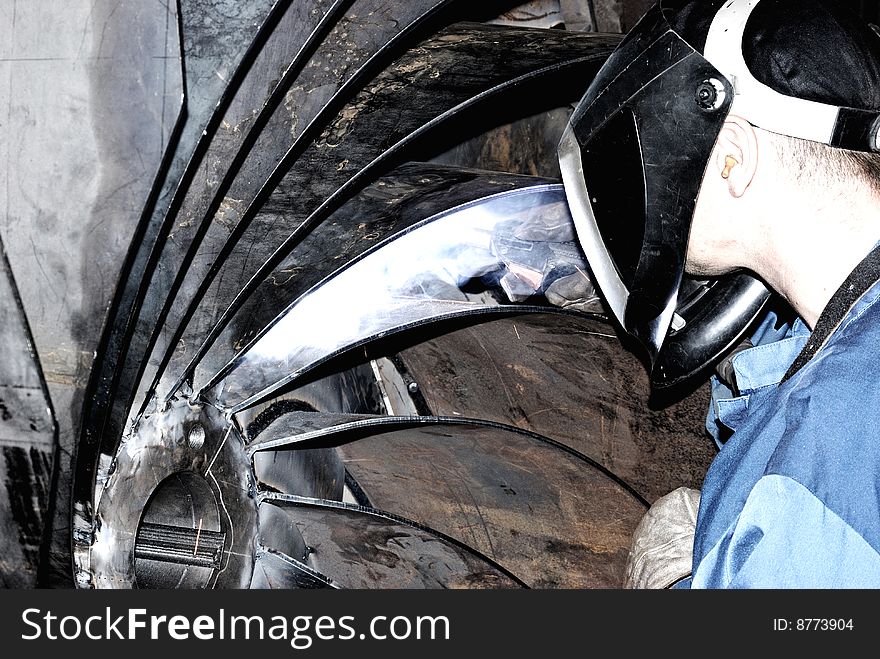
545,513
549,517
350,390
319,474
525,146
28,441
364,548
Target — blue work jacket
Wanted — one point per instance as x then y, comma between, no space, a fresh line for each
793,498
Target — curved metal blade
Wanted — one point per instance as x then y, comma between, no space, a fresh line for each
389,206
303,430
544,513
351,391
274,570
363,548
569,378
249,120
365,39
317,473
406,106
482,257
549,514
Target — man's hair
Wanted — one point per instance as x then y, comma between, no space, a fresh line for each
810,160
816,50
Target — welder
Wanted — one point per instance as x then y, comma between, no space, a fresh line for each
723,171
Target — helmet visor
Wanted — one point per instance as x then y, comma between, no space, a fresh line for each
633,160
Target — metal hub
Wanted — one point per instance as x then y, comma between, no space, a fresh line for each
176,507
179,540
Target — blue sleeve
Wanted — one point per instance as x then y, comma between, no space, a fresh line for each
785,537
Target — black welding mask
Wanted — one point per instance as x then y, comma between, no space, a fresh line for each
633,160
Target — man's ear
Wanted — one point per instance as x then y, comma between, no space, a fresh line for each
736,155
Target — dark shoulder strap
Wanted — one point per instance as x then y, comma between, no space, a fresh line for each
865,275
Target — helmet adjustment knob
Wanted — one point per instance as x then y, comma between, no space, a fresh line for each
710,95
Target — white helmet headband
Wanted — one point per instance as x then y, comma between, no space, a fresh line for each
778,113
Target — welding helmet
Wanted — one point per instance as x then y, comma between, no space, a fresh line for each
638,145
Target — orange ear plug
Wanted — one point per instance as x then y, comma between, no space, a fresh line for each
729,163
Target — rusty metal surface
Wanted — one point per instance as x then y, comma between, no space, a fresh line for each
571,380
548,516
536,13
527,146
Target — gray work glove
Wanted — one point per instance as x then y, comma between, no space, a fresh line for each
663,543
575,292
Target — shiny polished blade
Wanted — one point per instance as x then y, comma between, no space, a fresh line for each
317,473
502,254
362,44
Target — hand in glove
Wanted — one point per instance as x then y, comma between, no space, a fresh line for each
663,543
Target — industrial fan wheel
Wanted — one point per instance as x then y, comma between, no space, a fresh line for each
353,341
